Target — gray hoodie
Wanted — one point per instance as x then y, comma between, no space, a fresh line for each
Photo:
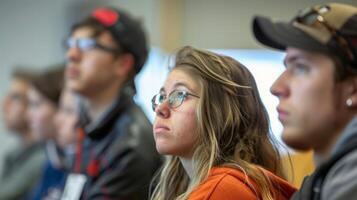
341,180
335,178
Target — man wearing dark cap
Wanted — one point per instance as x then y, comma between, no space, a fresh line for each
115,153
317,93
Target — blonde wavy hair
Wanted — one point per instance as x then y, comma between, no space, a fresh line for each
233,127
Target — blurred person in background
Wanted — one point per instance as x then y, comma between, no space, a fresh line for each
23,166
317,93
115,153
66,122
44,97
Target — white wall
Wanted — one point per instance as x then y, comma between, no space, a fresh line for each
226,23
30,35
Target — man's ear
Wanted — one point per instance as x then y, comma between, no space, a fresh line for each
124,65
351,100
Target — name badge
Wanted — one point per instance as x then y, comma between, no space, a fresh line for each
74,187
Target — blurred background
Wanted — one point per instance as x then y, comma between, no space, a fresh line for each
32,31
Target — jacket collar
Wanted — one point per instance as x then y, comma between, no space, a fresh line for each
101,127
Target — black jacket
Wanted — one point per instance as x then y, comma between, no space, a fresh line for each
118,153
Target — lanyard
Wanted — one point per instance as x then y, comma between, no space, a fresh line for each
78,156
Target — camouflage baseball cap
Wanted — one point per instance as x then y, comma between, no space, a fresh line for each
330,28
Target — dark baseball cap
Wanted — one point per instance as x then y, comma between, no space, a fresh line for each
330,28
126,30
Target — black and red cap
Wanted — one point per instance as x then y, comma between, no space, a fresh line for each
126,30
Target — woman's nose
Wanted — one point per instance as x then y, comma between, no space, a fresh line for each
163,109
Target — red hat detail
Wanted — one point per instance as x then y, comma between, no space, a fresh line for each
105,16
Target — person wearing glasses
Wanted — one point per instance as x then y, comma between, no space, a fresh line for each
211,122
28,157
115,152
317,93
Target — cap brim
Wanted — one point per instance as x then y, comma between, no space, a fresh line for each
282,35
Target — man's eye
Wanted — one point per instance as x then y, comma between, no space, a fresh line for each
299,69
86,44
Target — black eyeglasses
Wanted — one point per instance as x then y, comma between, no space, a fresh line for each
176,98
85,44
312,15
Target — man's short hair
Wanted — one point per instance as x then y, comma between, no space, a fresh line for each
126,31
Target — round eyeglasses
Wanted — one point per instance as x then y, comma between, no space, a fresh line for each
176,98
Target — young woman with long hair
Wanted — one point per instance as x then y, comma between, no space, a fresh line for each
211,122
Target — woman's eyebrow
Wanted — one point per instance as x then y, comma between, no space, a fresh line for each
177,85
181,84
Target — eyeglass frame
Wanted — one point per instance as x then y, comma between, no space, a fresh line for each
185,94
75,42
341,40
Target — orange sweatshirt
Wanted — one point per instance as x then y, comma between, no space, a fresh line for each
225,183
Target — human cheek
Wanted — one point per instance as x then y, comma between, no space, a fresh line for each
186,123
66,133
310,97
91,61
19,110
32,115
68,127
35,123
43,119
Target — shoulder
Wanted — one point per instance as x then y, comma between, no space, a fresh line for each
340,182
224,183
132,143
132,129
34,158
133,118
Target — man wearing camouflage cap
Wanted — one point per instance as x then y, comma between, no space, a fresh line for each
317,93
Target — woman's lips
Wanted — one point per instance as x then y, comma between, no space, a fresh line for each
159,128
282,114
